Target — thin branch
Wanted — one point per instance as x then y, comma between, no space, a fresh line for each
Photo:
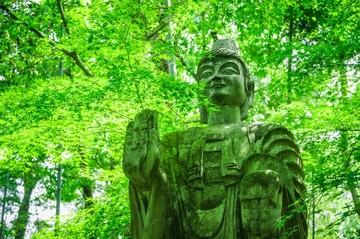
186,65
72,54
162,24
165,21
347,163
131,69
75,56
176,113
353,191
61,10
347,129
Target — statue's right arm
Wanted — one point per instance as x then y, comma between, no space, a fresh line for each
141,152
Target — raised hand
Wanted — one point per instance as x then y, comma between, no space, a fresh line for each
141,152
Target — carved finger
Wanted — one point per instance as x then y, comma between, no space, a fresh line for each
151,166
129,133
153,120
141,128
153,127
141,137
154,137
140,121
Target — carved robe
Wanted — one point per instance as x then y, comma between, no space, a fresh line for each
207,184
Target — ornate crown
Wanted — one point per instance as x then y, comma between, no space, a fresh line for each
224,47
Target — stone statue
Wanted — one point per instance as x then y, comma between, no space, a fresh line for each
228,180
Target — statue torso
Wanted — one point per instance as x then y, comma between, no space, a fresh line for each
204,169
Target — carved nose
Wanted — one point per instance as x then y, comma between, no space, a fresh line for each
217,80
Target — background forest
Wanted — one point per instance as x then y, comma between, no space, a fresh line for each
74,72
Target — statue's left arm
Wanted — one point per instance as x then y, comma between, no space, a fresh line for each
277,167
148,187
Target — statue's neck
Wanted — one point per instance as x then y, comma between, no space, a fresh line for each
227,114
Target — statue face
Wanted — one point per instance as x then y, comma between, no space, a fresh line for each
224,81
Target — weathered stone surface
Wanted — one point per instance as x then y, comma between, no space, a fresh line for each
228,180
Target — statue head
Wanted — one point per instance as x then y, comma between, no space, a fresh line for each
226,78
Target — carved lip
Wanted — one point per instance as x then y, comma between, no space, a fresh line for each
217,85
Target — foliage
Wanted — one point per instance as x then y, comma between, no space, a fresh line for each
108,218
72,77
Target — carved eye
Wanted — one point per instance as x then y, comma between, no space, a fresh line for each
206,74
229,71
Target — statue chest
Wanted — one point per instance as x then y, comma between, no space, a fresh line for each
210,161
207,173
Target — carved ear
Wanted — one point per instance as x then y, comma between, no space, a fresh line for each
203,114
249,101
250,92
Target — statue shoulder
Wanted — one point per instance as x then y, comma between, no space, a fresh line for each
176,138
275,140
268,137
265,131
278,141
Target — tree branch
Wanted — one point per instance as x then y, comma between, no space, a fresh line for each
348,129
72,54
162,24
75,56
61,10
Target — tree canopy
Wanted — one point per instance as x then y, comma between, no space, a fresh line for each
73,73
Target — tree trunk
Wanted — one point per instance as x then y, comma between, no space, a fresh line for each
58,199
88,199
290,58
4,204
313,215
88,196
344,91
343,82
23,213
169,39
355,198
